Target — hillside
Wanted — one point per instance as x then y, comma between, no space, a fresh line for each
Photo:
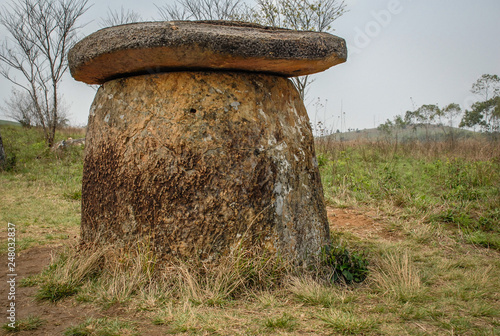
433,132
9,123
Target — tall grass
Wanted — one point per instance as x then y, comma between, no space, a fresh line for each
457,186
111,275
395,274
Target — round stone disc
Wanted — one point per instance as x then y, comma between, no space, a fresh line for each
152,47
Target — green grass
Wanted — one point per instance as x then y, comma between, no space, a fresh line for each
454,191
284,322
27,324
55,291
41,193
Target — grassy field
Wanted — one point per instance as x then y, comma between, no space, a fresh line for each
434,266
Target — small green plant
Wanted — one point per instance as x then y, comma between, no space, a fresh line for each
74,195
285,322
485,239
56,291
29,281
322,159
9,164
343,265
29,323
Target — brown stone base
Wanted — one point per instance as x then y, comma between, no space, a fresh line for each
199,162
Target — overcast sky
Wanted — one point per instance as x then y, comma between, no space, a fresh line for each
402,53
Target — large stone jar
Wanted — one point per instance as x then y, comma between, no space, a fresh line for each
199,162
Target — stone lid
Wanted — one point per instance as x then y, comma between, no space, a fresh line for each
150,47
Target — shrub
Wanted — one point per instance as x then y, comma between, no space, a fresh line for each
344,266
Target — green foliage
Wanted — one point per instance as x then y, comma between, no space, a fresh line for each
29,281
74,195
487,86
322,159
347,267
10,163
486,112
40,164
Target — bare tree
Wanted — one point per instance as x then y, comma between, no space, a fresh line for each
310,15
20,107
204,10
42,32
115,18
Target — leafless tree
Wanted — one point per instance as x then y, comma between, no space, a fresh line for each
20,107
42,32
310,15
115,18
203,10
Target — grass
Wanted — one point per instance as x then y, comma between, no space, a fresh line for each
455,187
29,323
312,292
100,327
397,276
346,323
284,322
40,193
433,267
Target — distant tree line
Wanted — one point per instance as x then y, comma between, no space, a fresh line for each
483,115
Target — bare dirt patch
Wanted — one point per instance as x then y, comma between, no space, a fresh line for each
57,316
361,224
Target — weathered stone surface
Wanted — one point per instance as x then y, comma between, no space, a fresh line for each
152,47
198,162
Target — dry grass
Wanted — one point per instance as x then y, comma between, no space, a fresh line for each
110,275
470,149
396,275
72,132
310,291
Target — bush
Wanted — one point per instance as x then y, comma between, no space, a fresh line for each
343,265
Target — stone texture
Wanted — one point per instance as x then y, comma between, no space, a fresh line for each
152,47
199,162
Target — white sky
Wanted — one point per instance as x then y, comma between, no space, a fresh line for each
399,50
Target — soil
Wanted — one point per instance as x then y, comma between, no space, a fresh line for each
364,225
58,317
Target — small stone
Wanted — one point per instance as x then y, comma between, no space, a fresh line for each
152,47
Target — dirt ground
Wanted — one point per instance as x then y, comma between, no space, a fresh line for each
66,313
